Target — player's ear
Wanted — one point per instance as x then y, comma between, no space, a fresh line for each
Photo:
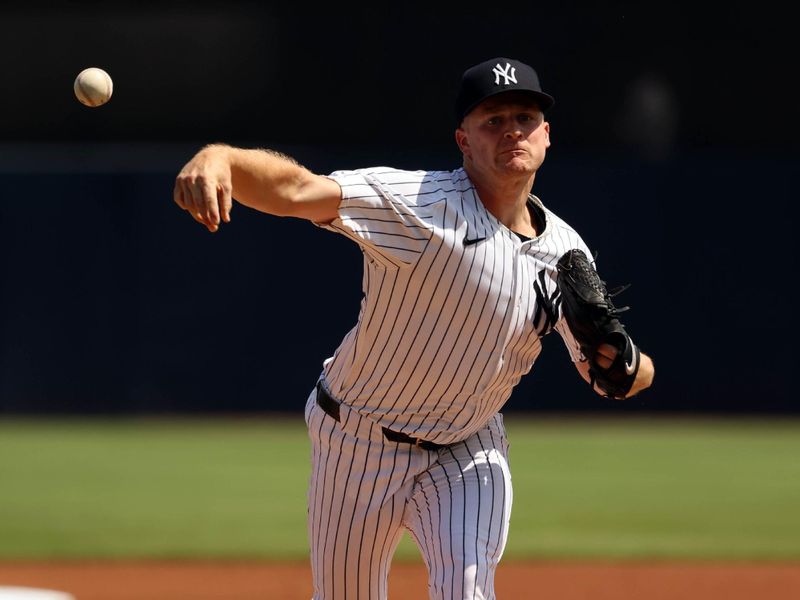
546,134
462,141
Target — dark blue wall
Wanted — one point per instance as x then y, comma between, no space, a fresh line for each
674,154
114,300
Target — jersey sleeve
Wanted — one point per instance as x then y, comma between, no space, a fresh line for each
380,211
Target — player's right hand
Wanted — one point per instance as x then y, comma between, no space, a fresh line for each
203,187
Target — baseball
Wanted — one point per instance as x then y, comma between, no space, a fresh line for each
93,86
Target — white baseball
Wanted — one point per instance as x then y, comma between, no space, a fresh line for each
93,86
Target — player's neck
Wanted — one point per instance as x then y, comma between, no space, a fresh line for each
505,198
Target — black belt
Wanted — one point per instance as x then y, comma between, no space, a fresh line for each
331,408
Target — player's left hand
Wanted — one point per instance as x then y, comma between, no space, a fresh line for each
605,357
203,187
614,361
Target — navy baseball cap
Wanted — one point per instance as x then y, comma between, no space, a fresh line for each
496,76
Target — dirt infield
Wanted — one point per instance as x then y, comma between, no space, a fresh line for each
515,580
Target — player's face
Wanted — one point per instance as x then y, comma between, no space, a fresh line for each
505,134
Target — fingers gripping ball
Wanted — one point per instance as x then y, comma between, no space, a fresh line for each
594,322
93,87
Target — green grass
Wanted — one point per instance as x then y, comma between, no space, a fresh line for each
656,488
153,488
236,488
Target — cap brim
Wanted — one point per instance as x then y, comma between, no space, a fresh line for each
545,101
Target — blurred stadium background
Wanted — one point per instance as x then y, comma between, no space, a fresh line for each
674,153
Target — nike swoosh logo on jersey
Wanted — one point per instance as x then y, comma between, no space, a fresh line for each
467,242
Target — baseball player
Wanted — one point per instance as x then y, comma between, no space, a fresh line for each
464,272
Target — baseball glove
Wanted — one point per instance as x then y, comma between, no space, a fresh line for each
594,320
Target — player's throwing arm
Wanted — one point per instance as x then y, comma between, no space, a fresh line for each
265,180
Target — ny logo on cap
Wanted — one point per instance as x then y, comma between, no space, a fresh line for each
503,72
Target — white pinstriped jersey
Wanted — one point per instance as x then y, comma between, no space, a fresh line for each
454,307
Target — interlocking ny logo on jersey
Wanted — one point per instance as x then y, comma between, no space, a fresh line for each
504,73
546,306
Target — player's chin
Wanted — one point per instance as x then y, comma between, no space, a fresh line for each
520,164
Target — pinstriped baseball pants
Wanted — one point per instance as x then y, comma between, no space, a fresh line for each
365,490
